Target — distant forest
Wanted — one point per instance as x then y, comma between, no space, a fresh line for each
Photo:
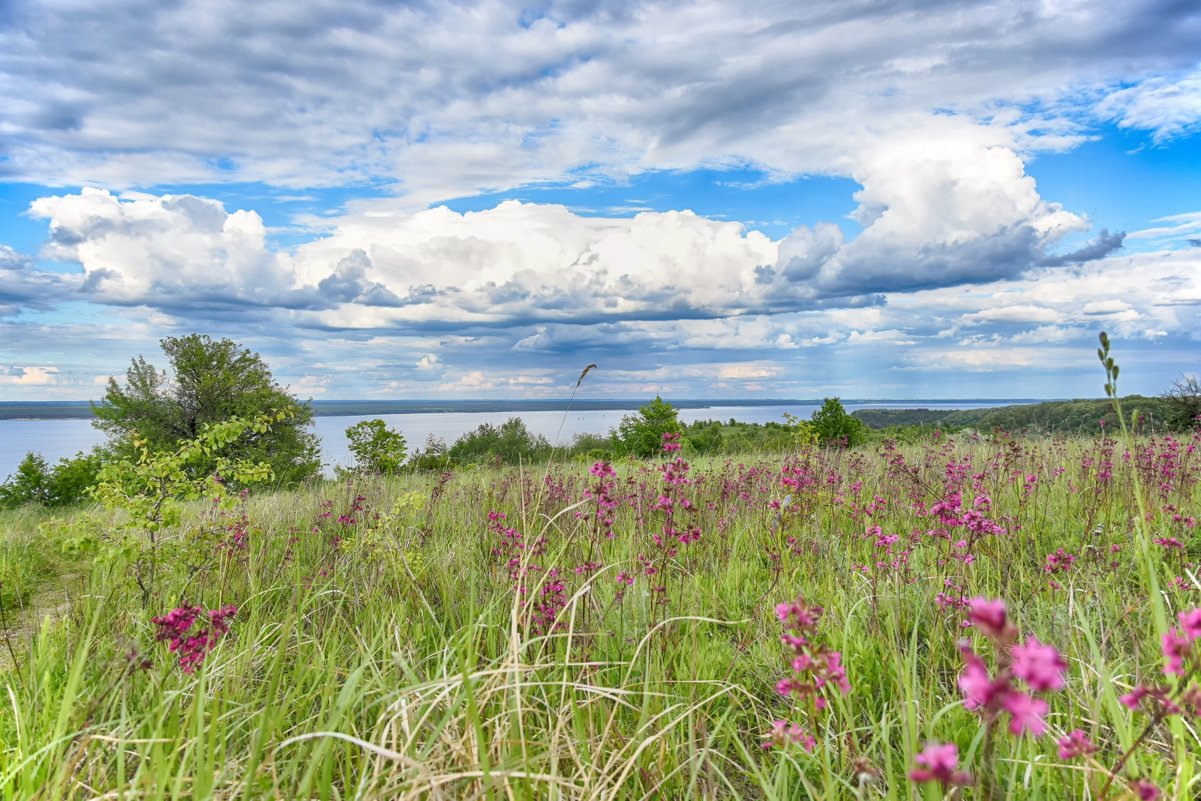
1050,417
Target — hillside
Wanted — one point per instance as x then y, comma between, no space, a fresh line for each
1055,417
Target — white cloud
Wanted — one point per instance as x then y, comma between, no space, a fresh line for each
745,371
452,100
28,376
1017,313
1169,106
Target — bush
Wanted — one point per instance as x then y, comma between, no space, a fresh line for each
510,443
377,449
642,434
29,485
835,428
433,458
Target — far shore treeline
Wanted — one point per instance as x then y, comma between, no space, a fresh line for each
213,381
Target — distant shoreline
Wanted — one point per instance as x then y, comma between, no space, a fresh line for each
34,411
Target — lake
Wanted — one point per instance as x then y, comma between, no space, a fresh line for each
56,439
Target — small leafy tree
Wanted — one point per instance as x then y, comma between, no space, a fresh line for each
151,487
836,428
642,434
377,449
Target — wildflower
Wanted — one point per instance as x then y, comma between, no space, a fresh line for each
939,763
1041,666
174,628
1145,790
1190,623
1176,649
1132,699
990,617
1025,713
784,733
1075,744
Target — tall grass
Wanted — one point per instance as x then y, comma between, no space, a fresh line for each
400,652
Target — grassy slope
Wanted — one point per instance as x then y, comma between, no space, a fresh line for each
386,657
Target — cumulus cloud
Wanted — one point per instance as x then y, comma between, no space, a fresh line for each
535,263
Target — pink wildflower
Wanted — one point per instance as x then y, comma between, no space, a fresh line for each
1026,713
1145,790
990,617
1176,649
1190,623
1132,699
939,763
784,733
1075,745
1041,666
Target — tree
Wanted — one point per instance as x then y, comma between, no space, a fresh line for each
30,484
210,381
836,428
377,449
1184,400
642,434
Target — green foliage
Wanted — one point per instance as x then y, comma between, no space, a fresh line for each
377,449
1183,400
1082,416
210,381
641,434
509,443
433,458
151,488
72,479
37,484
835,428
29,485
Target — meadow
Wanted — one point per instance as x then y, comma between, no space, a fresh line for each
976,617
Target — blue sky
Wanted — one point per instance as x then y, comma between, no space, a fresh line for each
930,200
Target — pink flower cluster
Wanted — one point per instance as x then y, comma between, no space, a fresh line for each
940,763
814,667
1038,665
1183,653
175,628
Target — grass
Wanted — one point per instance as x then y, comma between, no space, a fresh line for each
388,655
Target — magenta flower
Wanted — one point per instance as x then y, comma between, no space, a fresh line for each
1190,623
1075,745
175,628
1041,666
980,691
1176,649
990,617
1132,699
939,763
1025,713
784,733
1145,790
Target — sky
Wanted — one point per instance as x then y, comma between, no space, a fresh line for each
858,198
